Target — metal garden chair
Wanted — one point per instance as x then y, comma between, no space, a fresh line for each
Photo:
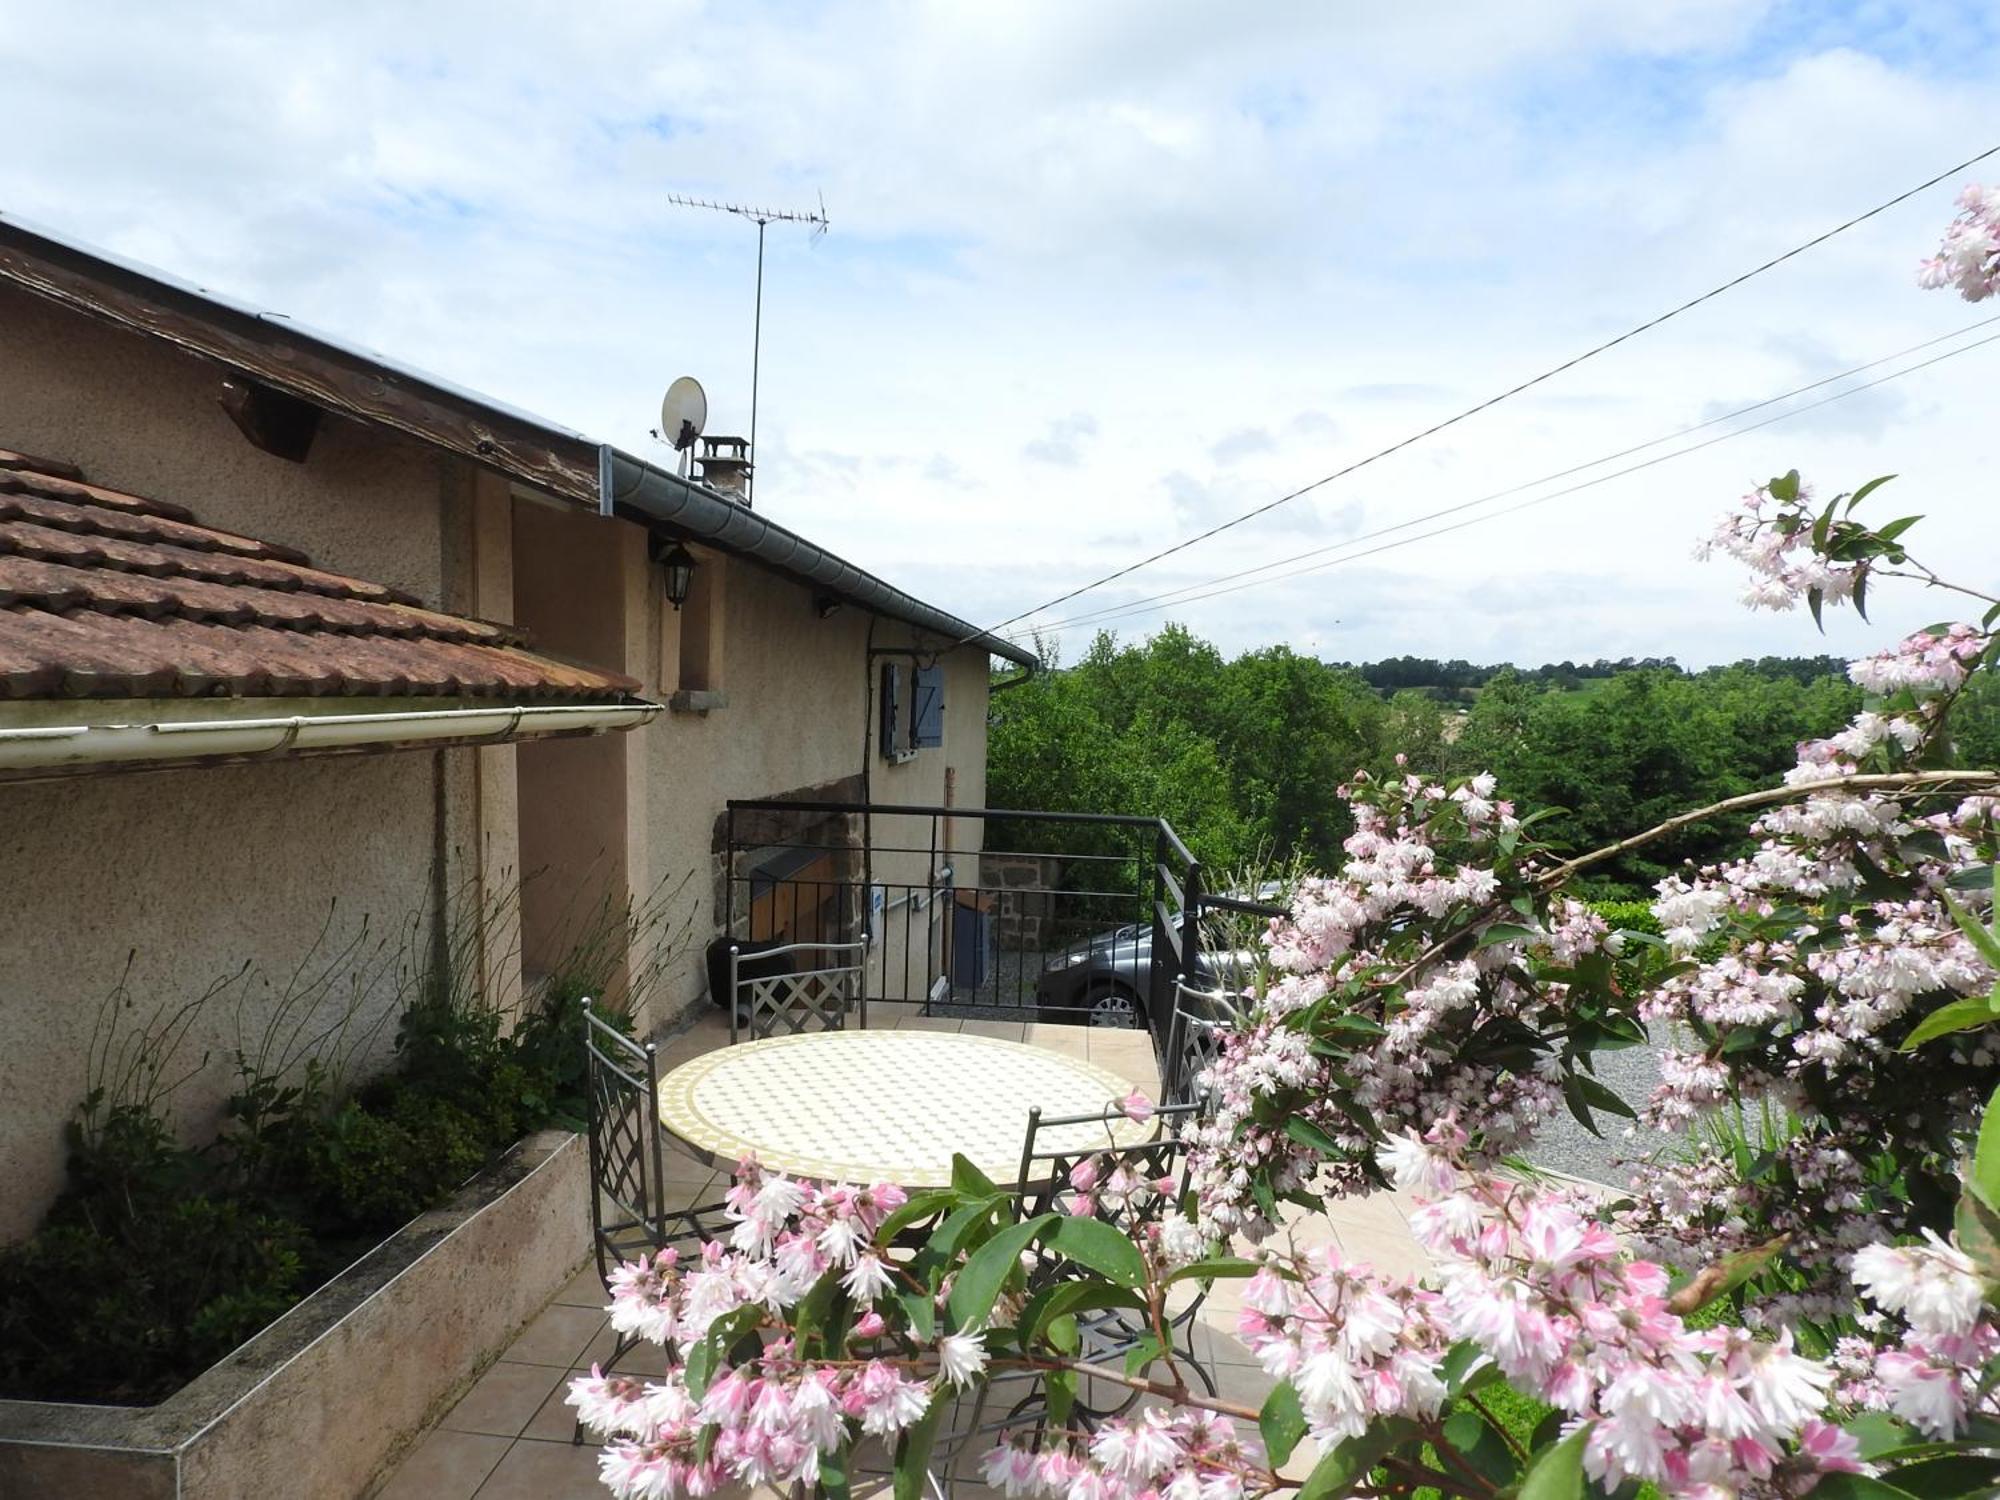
1194,1041
629,1212
1046,1187
818,997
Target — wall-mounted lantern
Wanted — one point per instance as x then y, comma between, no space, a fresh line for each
679,565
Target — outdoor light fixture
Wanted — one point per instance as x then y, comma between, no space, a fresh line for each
679,565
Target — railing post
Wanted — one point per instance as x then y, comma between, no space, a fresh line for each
1191,926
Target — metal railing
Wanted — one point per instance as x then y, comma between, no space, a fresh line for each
990,913
1067,917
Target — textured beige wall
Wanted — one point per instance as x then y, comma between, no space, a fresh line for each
141,416
193,873
800,699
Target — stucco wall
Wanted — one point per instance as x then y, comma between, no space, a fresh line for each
800,702
193,873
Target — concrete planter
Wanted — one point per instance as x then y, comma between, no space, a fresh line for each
323,1399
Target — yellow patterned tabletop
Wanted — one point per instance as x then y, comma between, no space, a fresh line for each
886,1106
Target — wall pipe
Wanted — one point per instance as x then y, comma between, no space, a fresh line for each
61,746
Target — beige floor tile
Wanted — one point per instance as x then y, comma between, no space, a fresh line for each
1244,1383
445,1466
928,1023
1006,1031
584,1289
1391,1254
1378,1212
545,1471
1070,1041
555,1420
503,1400
557,1336
645,1359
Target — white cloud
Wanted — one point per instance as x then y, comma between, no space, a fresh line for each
1244,245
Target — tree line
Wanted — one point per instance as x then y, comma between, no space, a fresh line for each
1242,755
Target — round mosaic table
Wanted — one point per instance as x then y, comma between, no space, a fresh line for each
887,1106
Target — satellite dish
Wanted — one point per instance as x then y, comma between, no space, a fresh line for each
684,412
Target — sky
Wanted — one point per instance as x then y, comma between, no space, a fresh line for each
1101,276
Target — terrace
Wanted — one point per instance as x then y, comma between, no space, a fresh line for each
509,1437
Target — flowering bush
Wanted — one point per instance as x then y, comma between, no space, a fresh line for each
1813,1316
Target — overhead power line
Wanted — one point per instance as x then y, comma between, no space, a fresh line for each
1107,616
1168,598
1491,401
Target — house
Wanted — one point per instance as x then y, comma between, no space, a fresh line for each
316,671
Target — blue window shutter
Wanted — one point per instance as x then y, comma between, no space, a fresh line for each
892,709
927,715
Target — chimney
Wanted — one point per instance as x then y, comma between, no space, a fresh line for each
725,464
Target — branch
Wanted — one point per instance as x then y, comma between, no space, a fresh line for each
1904,781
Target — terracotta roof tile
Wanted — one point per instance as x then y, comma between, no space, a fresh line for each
109,595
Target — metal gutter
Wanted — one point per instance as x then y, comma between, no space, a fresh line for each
641,492
55,748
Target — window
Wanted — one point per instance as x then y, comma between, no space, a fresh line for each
895,713
927,709
912,709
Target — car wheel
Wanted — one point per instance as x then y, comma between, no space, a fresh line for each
1113,1005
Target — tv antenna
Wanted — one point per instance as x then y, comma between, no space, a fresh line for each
763,218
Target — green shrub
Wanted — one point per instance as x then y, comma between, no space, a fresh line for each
158,1259
1628,916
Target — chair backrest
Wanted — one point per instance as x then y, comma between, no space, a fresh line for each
627,1168
818,988
1126,1192
1194,1041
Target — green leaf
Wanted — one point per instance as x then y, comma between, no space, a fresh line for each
1557,1473
1143,1354
1868,489
1064,1336
913,1451
920,1307
1725,1276
1785,487
978,1285
1947,1474
968,1181
1467,1368
1107,1251
1861,592
1508,932
954,1231
707,1355
1857,1487
1816,601
1877,1432
1959,1015
1215,1268
1060,1388
1071,1297
1306,1133
1603,1098
1476,1441
1573,1097
833,1474
1282,1422
1975,930
1348,1464
1977,1229
919,1207
1985,1176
